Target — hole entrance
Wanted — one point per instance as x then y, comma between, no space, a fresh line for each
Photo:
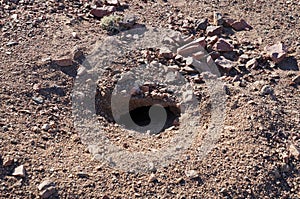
140,116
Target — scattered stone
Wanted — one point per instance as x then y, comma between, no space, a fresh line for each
152,178
48,192
113,2
192,174
45,127
296,79
266,90
8,162
75,35
214,30
174,67
45,184
276,52
223,46
38,100
212,40
253,63
189,69
294,151
224,63
19,171
103,11
238,25
81,70
166,53
82,175
202,24
77,54
63,62
12,43
128,21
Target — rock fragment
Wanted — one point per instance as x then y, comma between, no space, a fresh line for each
223,46
276,52
192,174
47,189
113,2
296,79
103,11
294,151
224,63
202,24
238,25
19,171
214,30
8,162
63,62
266,90
218,19
166,53
252,63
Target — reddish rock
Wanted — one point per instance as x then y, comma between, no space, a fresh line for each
166,53
238,25
223,46
103,11
214,30
276,52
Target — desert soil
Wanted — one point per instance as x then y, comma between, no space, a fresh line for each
252,159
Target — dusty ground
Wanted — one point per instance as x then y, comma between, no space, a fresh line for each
248,161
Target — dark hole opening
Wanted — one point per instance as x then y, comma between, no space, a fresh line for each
141,117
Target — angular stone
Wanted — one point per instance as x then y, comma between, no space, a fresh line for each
19,171
45,184
192,174
48,192
224,63
214,30
296,79
294,151
252,63
276,52
63,62
202,24
223,46
113,2
103,11
8,162
187,51
166,53
238,25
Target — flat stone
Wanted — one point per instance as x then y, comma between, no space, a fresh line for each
12,43
48,192
241,25
223,46
19,171
214,30
8,162
294,151
45,184
218,19
166,53
276,52
202,24
266,90
296,79
224,63
192,174
252,63
103,11
63,62
113,2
